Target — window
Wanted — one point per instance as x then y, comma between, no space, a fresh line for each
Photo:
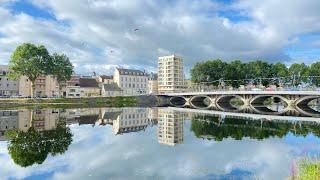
72,90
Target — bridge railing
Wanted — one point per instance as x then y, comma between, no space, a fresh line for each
219,89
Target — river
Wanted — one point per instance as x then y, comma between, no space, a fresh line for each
152,143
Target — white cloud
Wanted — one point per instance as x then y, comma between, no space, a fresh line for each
88,30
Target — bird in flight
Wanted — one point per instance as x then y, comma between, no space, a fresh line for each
136,29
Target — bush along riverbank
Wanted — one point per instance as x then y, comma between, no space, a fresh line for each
306,169
121,101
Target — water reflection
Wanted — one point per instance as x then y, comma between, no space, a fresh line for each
169,121
218,128
35,135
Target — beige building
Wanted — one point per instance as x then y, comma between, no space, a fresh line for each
8,87
88,87
105,79
153,83
45,119
8,120
132,82
41,120
170,127
45,86
170,74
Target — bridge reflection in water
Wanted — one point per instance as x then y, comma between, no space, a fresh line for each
293,103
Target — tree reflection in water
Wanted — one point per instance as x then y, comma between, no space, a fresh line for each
212,128
33,146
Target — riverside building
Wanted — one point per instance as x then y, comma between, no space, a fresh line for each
8,87
170,74
132,82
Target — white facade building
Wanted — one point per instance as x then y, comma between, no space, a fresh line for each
131,120
170,74
132,82
170,127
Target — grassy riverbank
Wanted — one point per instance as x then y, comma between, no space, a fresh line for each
69,102
307,169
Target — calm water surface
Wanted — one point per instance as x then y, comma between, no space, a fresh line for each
152,143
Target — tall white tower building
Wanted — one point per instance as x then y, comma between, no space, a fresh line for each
170,74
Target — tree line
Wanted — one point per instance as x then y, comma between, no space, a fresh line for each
213,70
213,129
33,61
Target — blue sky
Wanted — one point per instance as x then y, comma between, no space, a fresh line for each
98,35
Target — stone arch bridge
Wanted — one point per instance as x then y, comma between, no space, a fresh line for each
296,103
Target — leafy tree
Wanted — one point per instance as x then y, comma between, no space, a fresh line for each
315,71
234,71
298,73
208,71
279,70
62,70
33,147
31,61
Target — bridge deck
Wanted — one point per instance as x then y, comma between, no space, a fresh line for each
309,93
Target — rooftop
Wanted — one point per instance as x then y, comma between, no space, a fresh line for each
112,87
103,77
88,82
131,72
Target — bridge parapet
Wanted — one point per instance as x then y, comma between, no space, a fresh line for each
297,100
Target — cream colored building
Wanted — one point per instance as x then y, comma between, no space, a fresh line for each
8,120
170,127
131,120
88,87
153,83
45,86
8,87
45,119
104,79
41,120
132,82
170,74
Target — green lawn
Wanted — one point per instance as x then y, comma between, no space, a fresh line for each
308,169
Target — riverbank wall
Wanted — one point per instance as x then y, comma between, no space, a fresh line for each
121,101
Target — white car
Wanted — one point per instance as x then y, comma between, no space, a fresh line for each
256,89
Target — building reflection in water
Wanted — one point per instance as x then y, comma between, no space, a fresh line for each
170,123
170,127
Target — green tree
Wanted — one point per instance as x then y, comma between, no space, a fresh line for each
33,147
31,61
298,72
235,71
279,70
315,71
62,70
208,71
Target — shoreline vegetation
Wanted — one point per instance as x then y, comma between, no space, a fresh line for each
307,168
84,102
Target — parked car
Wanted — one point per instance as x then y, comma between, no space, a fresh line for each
270,89
256,89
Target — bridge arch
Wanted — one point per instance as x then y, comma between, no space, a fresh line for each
302,105
257,104
200,102
224,102
177,101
